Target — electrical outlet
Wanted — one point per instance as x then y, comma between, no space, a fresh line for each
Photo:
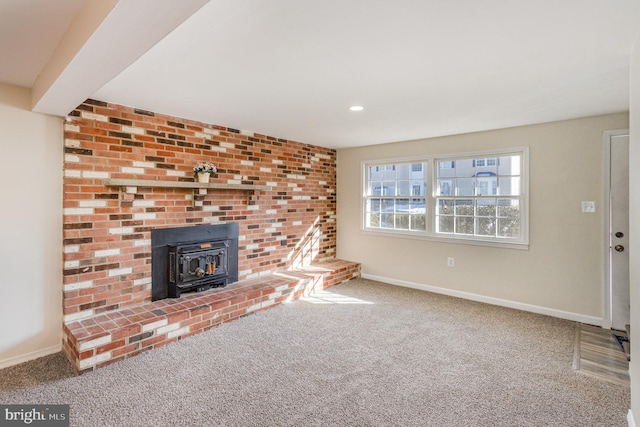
450,262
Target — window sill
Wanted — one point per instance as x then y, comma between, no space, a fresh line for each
523,246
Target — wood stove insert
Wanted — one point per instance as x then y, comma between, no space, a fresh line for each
197,258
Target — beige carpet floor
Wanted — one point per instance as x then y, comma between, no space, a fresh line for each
361,354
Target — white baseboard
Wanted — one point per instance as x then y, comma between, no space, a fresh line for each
29,356
576,317
630,420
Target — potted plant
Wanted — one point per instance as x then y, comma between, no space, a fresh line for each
203,171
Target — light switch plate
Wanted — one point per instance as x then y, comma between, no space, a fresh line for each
588,207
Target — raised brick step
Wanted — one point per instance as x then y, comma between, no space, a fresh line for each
109,337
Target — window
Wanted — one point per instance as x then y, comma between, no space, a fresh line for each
396,196
447,165
483,162
485,199
475,197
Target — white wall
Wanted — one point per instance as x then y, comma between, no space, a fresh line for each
634,230
561,274
30,229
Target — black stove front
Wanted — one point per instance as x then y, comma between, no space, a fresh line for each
197,266
193,259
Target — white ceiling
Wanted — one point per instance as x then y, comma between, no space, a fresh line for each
420,68
30,30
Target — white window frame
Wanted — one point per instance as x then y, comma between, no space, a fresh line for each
432,165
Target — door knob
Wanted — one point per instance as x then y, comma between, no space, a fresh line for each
619,234
619,248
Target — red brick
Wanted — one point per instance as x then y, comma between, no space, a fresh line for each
126,332
110,346
125,350
150,342
178,316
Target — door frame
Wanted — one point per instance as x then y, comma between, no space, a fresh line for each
608,289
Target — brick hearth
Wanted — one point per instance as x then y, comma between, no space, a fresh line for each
120,334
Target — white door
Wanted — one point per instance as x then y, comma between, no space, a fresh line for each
619,231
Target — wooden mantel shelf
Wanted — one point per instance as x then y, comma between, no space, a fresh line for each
181,184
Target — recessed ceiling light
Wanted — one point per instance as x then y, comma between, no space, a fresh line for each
356,108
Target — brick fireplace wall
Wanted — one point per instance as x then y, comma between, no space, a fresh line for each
107,242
